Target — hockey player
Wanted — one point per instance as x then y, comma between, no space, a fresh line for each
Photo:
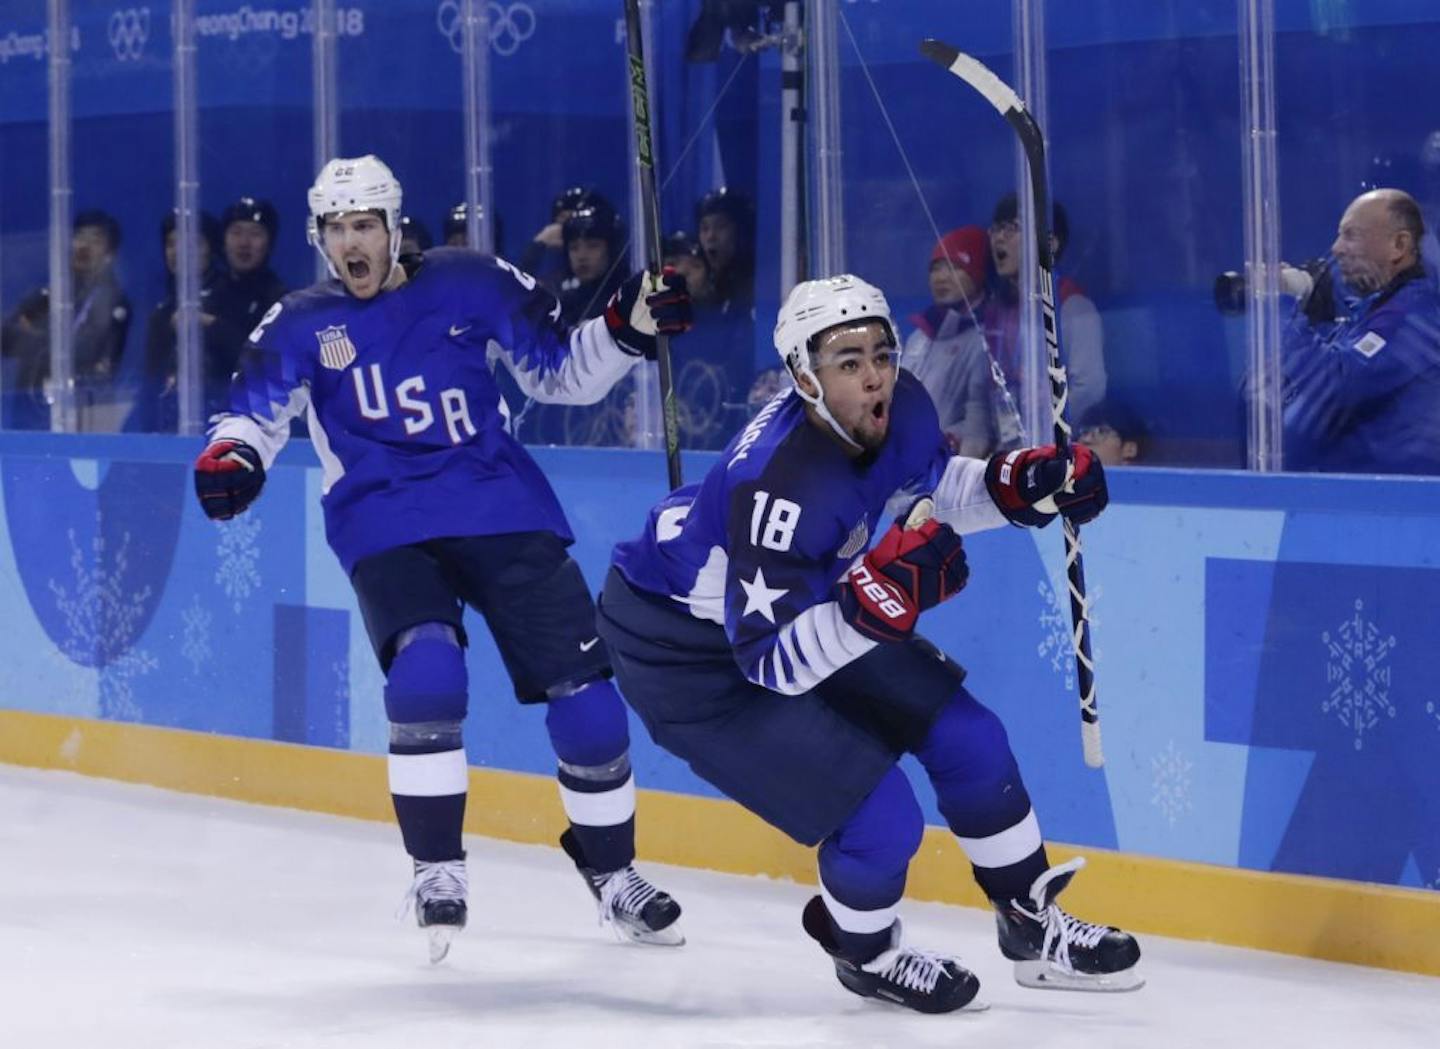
756,642
431,505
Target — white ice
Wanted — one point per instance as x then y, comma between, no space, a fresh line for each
131,916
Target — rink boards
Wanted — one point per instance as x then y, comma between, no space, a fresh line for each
1271,728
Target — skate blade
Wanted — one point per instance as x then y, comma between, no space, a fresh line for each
670,936
1046,976
440,937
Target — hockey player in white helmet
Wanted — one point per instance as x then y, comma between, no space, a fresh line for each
430,505
759,640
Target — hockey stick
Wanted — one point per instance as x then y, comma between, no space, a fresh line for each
650,204
1000,95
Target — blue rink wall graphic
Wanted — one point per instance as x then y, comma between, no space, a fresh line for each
1263,645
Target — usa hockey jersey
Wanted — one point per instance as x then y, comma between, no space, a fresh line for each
402,404
759,545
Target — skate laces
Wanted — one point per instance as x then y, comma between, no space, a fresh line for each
625,892
1061,931
917,970
443,880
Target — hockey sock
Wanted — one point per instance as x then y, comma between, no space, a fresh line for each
591,737
982,797
425,700
863,865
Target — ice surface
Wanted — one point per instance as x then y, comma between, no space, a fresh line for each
131,916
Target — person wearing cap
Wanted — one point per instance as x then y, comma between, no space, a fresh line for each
545,256
714,365
725,227
946,351
455,229
101,323
248,286
593,237
156,406
1081,331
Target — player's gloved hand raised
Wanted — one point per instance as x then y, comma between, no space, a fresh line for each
917,564
664,309
228,477
1032,485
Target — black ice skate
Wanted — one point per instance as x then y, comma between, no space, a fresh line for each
1053,950
633,908
927,983
438,893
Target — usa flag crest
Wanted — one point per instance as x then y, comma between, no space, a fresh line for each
336,349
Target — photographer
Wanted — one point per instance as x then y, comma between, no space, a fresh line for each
1361,353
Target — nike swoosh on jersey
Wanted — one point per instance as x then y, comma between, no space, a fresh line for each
455,329
586,646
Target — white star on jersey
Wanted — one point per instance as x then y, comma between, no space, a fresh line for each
759,597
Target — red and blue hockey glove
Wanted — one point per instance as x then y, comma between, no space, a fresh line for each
911,569
1032,485
665,310
228,477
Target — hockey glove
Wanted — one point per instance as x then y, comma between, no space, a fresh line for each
909,570
228,477
1032,485
665,310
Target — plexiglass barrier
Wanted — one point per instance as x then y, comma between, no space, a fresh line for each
782,148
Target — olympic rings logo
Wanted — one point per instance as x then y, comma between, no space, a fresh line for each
510,25
129,30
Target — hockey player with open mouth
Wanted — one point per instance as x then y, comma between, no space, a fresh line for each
758,640
431,505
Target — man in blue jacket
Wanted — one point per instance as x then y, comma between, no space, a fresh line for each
1362,352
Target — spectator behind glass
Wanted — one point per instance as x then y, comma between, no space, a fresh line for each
1113,432
414,237
247,286
1081,332
545,257
713,364
102,319
1361,353
946,351
593,237
157,402
725,225
456,229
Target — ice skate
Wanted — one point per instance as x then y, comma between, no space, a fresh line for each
633,908
438,893
1055,951
927,983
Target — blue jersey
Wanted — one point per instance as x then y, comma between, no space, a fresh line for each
760,544
1362,395
402,403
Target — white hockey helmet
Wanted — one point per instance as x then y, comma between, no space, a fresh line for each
814,307
348,184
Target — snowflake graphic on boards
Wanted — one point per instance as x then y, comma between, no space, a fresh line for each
102,619
238,555
195,642
341,707
1055,645
1357,673
1170,782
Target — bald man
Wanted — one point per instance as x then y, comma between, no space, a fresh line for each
1362,353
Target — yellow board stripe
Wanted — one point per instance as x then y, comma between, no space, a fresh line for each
1356,922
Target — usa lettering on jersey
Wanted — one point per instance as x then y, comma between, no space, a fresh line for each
417,413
